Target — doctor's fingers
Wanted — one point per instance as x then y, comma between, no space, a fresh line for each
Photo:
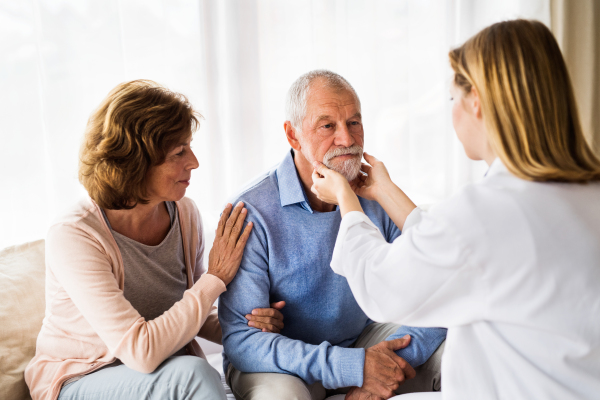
366,168
370,159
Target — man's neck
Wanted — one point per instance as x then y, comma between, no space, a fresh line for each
305,170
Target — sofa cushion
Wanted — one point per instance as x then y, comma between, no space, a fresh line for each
22,304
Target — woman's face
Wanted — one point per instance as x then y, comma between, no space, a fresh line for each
168,181
468,124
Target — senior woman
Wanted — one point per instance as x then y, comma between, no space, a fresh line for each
510,265
125,289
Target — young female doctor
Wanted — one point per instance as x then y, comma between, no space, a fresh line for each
510,265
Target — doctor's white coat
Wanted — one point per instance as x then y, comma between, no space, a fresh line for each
511,267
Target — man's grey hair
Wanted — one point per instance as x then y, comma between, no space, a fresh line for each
295,104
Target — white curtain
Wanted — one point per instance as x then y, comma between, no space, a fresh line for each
234,60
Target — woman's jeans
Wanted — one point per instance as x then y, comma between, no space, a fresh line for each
177,378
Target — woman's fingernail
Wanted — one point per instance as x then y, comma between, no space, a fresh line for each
250,323
406,336
244,211
238,204
247,316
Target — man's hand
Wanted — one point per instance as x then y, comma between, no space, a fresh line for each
357,393
384,370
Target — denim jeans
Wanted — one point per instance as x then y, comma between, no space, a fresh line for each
177,378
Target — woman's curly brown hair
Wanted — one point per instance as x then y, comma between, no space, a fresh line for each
132,130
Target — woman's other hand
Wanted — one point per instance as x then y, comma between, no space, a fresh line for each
227,250
267,319
370,185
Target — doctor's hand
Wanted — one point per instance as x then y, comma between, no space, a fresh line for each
370,185
384,370
267,319
328,185
333,188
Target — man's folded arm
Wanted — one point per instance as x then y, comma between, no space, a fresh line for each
251,350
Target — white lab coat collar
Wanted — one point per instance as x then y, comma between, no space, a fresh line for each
496,168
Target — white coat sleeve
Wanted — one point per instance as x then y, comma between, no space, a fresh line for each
424,278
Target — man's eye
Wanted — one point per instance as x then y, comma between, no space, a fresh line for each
354,123
328,126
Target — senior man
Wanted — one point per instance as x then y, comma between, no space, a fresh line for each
328,344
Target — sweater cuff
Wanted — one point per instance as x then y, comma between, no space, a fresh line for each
210,287
351,364
350,219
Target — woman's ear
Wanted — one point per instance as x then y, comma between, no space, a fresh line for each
475,102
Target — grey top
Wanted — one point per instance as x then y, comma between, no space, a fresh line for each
155,276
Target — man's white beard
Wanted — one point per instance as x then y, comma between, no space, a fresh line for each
349,169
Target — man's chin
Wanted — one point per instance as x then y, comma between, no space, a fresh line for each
349,173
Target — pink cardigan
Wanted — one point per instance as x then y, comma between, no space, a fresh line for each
88,321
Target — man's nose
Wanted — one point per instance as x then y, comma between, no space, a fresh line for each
343,137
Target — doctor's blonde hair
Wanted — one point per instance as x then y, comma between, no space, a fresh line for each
527,101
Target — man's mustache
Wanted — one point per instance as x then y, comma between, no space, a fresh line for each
354,150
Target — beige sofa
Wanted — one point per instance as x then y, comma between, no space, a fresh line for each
22,304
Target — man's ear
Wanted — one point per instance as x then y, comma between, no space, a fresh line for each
291,134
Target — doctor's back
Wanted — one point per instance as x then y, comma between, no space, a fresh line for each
537,245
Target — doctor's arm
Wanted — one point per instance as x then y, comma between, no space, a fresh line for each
424,341
424,278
